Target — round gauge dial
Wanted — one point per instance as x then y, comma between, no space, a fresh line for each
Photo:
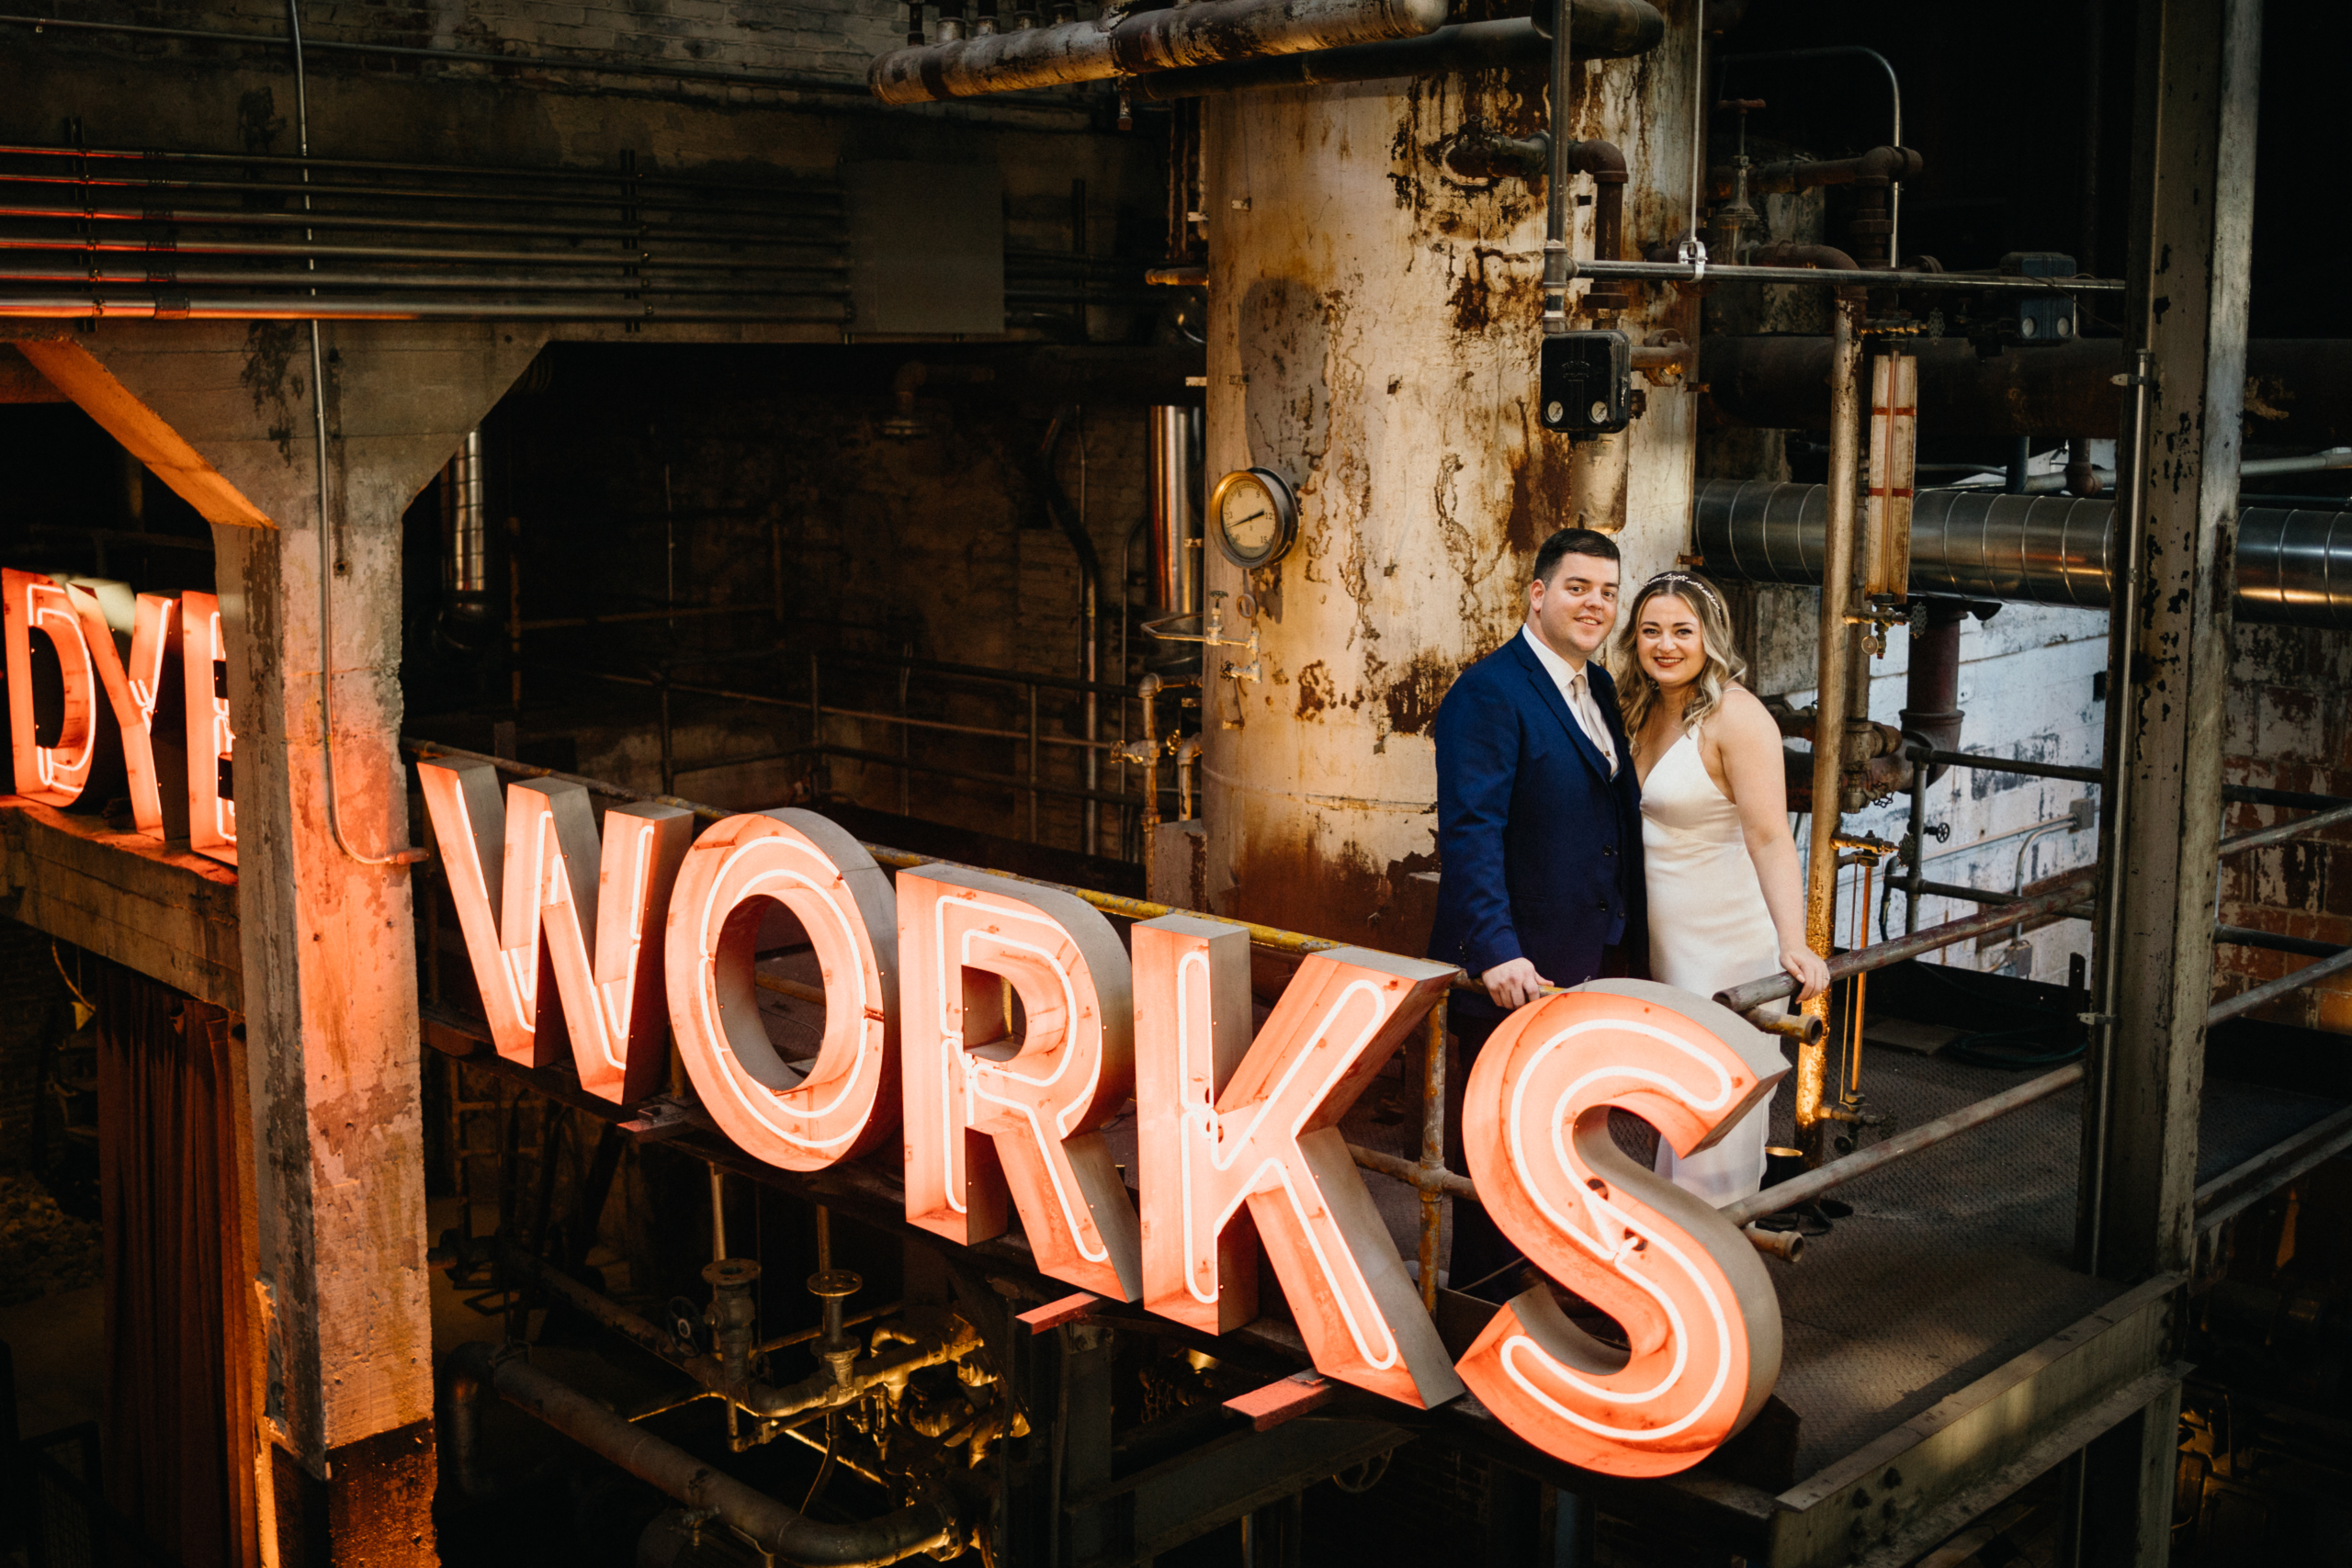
1256,516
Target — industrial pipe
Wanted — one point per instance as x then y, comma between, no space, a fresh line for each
787,1534
1597,30
465,526
1175,497
2299,390
1931,684
1830,701
1879,163
2294,567
1206,33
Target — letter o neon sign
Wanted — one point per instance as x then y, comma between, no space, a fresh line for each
847,1100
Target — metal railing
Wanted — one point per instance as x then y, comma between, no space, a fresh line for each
1033,739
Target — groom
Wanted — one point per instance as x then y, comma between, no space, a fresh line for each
1539,830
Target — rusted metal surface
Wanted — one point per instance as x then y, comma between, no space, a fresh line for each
1600,29
1374,330
2298,390
2264,995
1835,649
1207,33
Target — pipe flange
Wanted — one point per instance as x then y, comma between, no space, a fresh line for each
731,1273
835,1283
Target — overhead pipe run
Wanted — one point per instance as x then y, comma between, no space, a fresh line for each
1206,33
2297,390
2294,566
1597,30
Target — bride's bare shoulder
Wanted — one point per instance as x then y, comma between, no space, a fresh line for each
1741,717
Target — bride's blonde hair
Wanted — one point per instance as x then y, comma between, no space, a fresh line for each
1721,668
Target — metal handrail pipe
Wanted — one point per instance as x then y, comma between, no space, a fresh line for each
244,218
2248,795
649,284
2006,910
571,258
1271,938
1985,896
1858,277
2274,942
2281,832
306,162
621,202
1206,33
1879,955
984,673
2294,567
782,1531
1597,30
1801,1189
2264,995
327,307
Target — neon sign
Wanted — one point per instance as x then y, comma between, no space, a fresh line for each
95,668
997,1025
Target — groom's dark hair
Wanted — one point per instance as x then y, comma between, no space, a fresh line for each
1571,542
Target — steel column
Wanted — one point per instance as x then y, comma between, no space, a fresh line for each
2168,676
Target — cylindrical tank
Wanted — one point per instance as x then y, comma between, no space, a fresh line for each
1373,337
465,530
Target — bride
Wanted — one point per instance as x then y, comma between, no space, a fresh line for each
1726,900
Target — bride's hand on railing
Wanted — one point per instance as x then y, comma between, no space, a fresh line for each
1812,975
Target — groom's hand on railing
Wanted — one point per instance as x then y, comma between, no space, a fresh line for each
1513,984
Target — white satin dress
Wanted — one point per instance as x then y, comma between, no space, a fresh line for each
1709,929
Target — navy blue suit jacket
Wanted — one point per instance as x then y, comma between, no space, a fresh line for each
1539,849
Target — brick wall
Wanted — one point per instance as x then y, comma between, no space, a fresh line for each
32,1000
2286,730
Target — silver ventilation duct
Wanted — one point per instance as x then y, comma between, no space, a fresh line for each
465,529
2294,566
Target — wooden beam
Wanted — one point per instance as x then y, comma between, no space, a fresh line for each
167,913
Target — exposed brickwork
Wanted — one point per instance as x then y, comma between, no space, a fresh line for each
32,1007
2288,728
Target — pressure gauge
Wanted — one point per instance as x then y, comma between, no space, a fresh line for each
1257,517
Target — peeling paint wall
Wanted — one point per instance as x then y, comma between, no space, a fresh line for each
2288,728
1374,322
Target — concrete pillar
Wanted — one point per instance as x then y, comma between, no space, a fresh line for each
223,414
2191,251
1374,328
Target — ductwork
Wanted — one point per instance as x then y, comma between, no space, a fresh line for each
1206,33
2294,567
2298,390
1597,30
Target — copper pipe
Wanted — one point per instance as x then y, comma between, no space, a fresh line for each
1830,707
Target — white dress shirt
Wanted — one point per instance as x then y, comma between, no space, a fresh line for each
1576,691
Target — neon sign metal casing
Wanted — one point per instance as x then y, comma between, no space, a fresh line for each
1239,1144
533,890
993,1112
1689,1293
845,1102
54,775
1225,1122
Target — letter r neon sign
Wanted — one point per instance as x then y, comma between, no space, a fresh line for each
991,1112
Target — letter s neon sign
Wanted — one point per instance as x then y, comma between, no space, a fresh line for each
1700,1313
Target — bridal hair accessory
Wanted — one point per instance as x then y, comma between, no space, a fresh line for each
1682,577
